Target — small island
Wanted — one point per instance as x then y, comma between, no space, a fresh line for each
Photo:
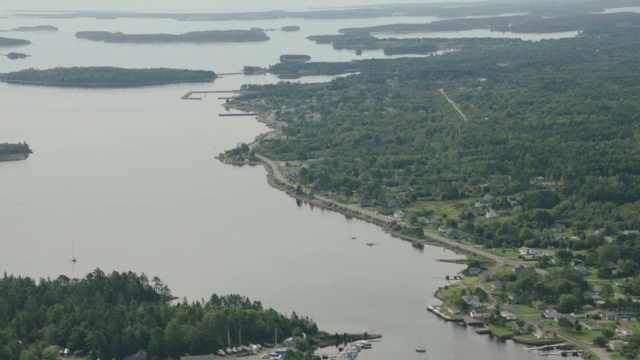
13,42
34,28
290,28
106,77
295,58
213,36
15,56
14,152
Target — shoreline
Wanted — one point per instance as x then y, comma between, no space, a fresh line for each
276,180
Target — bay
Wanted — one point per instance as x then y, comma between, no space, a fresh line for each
126,180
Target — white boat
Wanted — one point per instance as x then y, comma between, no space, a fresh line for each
220,352
421,349
234,350
228,350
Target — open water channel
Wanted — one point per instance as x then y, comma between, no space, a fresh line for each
127,180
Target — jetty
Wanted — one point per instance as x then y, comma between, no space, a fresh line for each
442,315
188,96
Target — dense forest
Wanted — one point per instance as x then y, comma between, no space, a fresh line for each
106,77
549,140
113,315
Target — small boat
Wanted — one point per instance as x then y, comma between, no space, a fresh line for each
220,352
234,350
421,349
228,350
246,348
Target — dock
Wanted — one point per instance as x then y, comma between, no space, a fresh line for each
240,114
442,315
189,95
483,330
472,322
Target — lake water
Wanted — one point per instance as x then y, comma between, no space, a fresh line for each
126,180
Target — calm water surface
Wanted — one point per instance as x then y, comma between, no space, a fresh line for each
127,180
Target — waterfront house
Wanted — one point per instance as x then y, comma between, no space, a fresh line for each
399,214
520,327
616,345
542,333
472,301
631,232
453,311
623,331
592,325
474,271
481,313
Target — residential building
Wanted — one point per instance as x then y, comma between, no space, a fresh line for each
623,331
592,325
481,313
616,345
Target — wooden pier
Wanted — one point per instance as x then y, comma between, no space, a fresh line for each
442,315
188,96
473,322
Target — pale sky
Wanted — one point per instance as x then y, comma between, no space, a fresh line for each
195,5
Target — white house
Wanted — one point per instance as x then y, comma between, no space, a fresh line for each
492,214
623,331
578,315
479,314
399,214
527,251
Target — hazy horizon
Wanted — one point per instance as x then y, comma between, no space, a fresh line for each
199,5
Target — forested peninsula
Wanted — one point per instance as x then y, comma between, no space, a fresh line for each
515,144
106,77
13,152
115,315
214,36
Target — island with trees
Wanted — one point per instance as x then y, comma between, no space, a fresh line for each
294,58
291,28
13,42
15,56
524,153
112,315
106,77
34,28
14,152
213,36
